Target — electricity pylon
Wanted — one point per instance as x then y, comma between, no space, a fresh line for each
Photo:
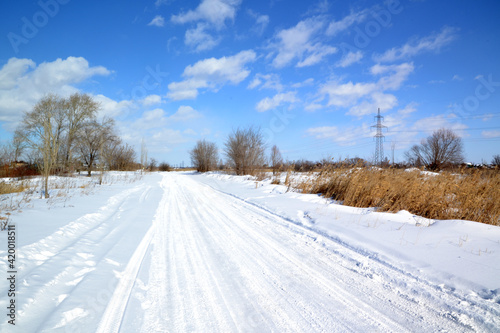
379,137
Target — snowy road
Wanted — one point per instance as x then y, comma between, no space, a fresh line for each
172,254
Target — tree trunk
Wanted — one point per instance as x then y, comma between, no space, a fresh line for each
46,185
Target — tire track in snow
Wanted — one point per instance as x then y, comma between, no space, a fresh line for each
198,230
58,242
270,239
50,284
181,301
286,291
460,311
113,315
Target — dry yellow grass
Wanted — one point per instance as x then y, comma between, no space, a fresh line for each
6,188
467,195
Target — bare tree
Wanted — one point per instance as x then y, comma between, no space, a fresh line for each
18,146
5,155
244,149
496,160
80,109
153,163
204,156
276,159
42,130
92,140
442,148
144,155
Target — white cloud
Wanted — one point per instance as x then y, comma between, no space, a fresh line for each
266,81
298,43
278,99
376,100
305,83
313,107
490,134
185,113
150,119
112,108
261,22
342,136
199,39
13,70
151,100
431,124
362,97
354,18
255,82
23,83
209,15
398,74
320,7
323,132
408,109
316,53
457,77
189,131
214,11
346,94
349,59
432,43
158,3
168,136
211,74
158,21
62,72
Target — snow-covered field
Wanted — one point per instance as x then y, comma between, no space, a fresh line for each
177,252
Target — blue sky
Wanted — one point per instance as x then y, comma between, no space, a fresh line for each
310,74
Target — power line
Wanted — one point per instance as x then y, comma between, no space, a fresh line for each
435,129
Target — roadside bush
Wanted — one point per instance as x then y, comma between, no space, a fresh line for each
164,166
204,156
244,149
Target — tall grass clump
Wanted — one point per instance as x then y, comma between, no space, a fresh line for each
467,195
7,187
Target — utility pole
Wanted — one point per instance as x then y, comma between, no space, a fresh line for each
379,137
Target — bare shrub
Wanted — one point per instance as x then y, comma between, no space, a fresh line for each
164,166
204,156
496,160
121,157
304,166
244,149
152,164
